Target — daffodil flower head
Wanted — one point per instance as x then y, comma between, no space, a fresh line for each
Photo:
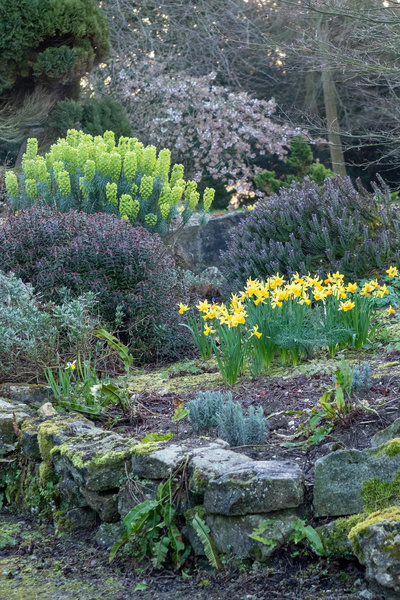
182,308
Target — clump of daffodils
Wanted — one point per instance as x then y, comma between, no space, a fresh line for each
289,318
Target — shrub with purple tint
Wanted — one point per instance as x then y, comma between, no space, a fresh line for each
129,269
306,228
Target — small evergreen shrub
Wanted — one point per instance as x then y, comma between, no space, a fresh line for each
97,175
239,430
301,156
214,409
203,410
362,378
30,36
306,228
301,161
34,335
129,270
94,116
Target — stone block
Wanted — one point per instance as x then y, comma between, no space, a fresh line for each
97,460
231,534
158,460
10,413
340,476
255,487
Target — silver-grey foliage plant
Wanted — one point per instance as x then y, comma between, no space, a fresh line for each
212,409
33,335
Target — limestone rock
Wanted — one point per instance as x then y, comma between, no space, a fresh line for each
158,460
206,464
391,432
47,410
95,459
231,534
8,412
27,393
76,518
133,492
29,441
108,533
376,543
200,247
104,503
70,492
255,487
56,430
340,476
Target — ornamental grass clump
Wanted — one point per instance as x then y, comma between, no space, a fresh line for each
308,228
95,174
128,269
288,318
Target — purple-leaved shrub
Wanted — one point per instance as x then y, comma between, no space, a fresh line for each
129,270
308,228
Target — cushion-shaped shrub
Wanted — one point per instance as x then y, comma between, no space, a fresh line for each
308,228
129,270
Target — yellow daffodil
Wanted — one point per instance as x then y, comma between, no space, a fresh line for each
182,308
392,272
71,366
351,288
208,330
345,306
203,306
391,310
255,332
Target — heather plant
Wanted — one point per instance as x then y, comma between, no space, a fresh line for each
34,335
97,175
213,131
129,270
306,228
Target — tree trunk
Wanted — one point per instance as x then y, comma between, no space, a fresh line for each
332,119
332,122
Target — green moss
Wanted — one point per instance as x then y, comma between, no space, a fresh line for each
147,448
94,455
46,431
198,481
196,510
46,474
378,495
335,538
389,515
390,448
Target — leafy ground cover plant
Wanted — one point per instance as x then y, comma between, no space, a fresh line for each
94,174
306,228
151,528
34,334
290,319
129,270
